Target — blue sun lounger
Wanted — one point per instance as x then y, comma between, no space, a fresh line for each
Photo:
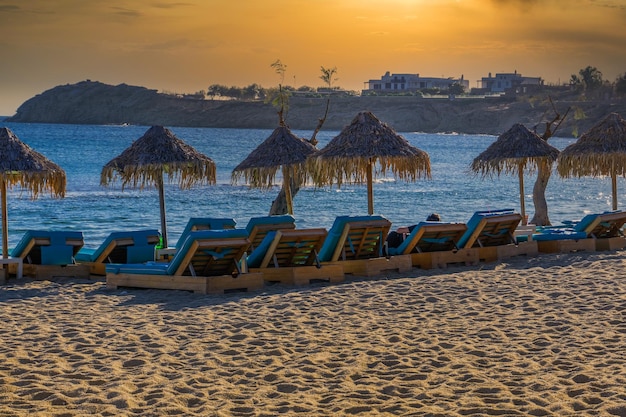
259,227
208,261
290,256
430,237
357,244
599,231
47,253
204,223
134,246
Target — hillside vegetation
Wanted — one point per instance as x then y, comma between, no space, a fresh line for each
90,102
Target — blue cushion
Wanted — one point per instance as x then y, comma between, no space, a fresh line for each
559,234
140,239
57,253
335,232
475,220
405,242
255,259
255,221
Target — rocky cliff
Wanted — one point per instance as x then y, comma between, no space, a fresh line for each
89,102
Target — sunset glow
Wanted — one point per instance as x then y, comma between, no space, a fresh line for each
185,46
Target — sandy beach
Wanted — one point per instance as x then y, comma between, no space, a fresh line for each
536,336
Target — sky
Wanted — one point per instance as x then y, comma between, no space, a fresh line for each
186,46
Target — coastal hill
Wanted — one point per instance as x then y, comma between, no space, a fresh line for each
90,102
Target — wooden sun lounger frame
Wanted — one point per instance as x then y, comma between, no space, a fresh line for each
292,259
359,247
224,275
259,231
37,271
440,258
603,233
496,246
607,230
112,253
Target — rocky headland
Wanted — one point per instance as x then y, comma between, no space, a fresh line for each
90,102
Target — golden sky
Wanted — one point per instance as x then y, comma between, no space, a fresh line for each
185,46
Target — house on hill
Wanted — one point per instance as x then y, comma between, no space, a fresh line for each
408,83
503,82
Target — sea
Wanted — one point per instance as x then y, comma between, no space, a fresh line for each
454,191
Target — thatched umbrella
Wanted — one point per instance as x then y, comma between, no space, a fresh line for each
156,153
351,156
20,165
515,150
282,149
598,152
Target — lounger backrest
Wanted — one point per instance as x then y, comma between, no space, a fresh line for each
43,247
125,247
288,248
604,225
205,223
355,237
490,228
259,227
431,237
210,253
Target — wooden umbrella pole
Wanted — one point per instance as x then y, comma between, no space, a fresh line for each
5,219
370,189
521,194
287,187
614,187
162,207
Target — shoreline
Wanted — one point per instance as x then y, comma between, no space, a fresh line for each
536,336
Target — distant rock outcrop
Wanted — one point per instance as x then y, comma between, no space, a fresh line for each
90,102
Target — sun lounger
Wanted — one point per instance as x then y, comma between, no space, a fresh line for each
204,223
195,224
209,261
290,256
431,237
435,244
258,227
601,231
492,232
356,243
47,254
136,246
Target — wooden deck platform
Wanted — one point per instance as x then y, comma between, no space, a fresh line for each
301,275
202,285
567,245
374,266
443,259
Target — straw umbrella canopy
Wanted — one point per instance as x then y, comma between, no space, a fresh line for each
515,150
598,152
365,149
22,166
282,149
149,158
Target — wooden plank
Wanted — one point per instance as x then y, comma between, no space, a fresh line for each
302,275
53,271
443,259
202,285
566,245
610,243
374,266
163,282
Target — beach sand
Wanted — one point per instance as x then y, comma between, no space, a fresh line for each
527,337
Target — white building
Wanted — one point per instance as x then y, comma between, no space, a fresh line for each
506,81
398,83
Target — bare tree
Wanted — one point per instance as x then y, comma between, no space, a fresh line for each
544,170
279,205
